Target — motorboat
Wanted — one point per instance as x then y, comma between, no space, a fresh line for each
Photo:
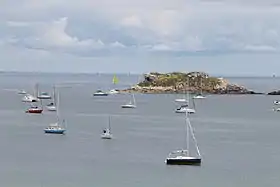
100,93
44,95
34,110
277,102
55,128
184,109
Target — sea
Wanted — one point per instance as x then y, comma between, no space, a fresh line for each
238,136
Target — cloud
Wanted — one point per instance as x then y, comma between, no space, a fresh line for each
92,27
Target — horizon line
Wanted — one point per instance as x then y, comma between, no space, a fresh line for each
133,73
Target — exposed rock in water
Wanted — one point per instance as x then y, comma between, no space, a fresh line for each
193,82
277,92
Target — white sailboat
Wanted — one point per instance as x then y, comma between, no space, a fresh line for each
183,156
185,107
107,133
32,98
22,92
130,104
115,81
200,95
182,100
29,98
52,105
42,95
276,109
56,128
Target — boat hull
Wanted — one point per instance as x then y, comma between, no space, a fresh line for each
106,136
190,111
181,100
128,106
114,92
103,94
30,100
54,131
44,97
51,108
39,111
183,161
199,97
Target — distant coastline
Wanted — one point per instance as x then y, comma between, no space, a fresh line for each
125,73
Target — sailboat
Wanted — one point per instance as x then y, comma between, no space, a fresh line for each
200,96
42,95
182,100
22,92
185,107
56,128
107,132
130,104
115,81
52,105
183,156
31,98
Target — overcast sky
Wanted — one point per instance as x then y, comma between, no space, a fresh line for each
218,36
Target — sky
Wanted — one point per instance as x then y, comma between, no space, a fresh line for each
228,37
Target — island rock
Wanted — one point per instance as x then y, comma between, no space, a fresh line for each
277,92
193,82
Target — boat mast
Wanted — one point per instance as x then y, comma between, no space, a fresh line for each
36,90
188,94
109,123
54,96
57,106
187,138
134,101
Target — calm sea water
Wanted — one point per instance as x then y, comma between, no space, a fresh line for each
238,137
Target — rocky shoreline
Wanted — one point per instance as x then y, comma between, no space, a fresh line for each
193,82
